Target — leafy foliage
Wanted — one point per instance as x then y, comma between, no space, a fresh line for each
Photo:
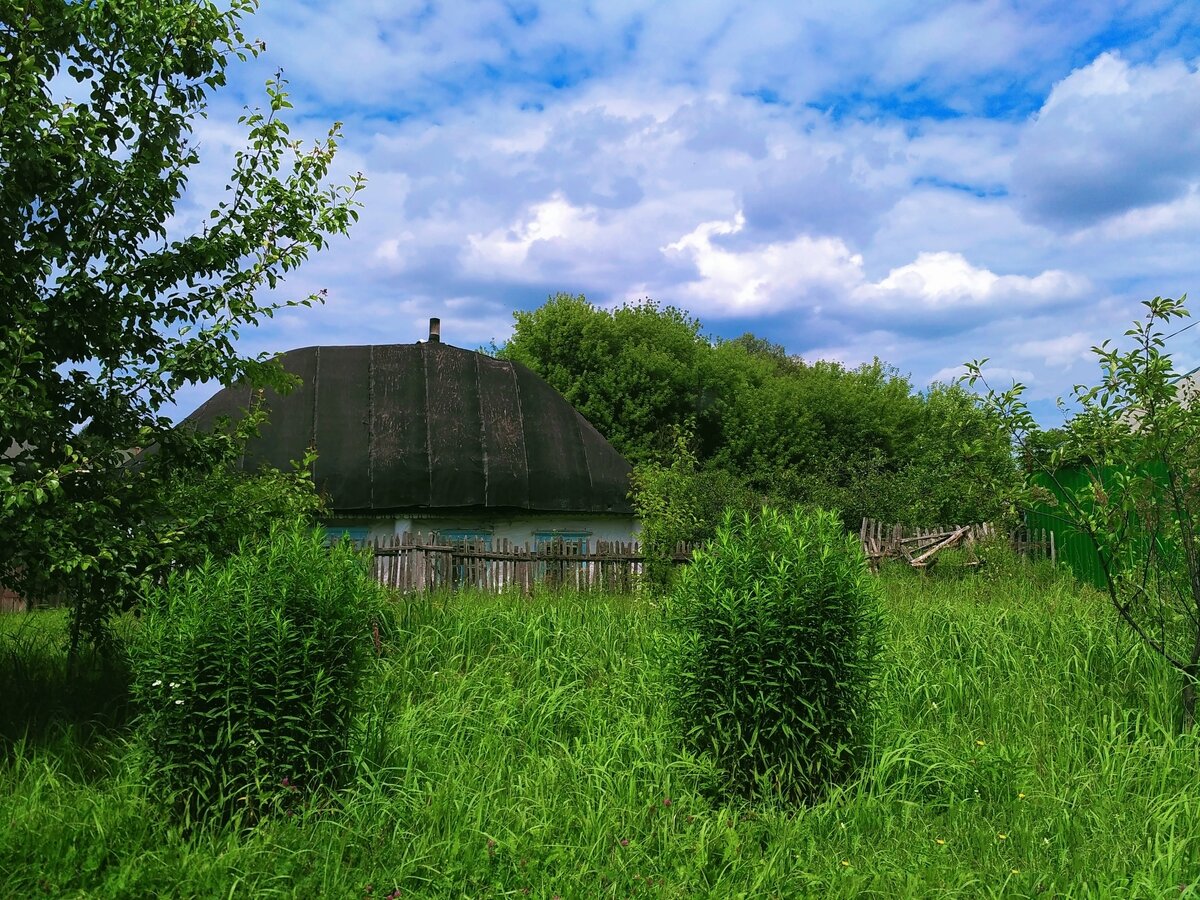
1137,438
213,513
248,671
110,308
632,373
779,625
858,440
680,503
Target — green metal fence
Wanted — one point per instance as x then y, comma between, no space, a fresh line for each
1073,548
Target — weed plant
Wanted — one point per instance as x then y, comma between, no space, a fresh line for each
40,698
247,674
1025,747
778,631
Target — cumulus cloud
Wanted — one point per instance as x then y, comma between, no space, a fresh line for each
858,181
1111,137
508,250
1062,352
761,279
807,271
941,280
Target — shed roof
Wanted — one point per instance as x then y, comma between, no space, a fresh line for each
430,426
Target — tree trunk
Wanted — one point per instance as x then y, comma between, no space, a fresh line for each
1190,676
1191,680
73,649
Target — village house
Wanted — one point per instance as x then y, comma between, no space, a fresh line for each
428,437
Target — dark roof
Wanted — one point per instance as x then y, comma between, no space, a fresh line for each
430,426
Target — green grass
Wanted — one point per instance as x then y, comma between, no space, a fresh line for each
1026,747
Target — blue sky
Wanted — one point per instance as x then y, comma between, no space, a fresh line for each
924,182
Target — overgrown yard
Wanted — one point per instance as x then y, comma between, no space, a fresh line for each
1026,746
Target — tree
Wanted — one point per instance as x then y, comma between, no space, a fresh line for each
860,440
1137,438
1041,446
631,372
109,311
678,502
961,466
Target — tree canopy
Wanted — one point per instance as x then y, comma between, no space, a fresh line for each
1125,475
109,310
860,439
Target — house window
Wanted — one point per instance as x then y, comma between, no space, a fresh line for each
468,570
556,572
572,541
459,537
334,533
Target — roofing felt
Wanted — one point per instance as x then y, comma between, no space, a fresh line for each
429,426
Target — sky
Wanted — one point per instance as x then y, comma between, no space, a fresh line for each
927,183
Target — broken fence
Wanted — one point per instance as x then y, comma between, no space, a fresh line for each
920,546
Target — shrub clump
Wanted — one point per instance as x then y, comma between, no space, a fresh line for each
778,624
248,672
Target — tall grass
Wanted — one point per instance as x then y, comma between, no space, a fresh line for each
40,699
1026,747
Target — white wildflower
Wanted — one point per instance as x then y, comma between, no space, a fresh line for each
157,683
179,703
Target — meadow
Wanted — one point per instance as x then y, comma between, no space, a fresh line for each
1026,746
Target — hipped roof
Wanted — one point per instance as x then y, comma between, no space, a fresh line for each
430,426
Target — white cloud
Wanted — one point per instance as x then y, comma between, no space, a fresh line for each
507,250
808,270
940,280
1111,137
1181,214
948,374
1062,351
764,278
790,171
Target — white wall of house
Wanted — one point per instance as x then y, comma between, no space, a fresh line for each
520,528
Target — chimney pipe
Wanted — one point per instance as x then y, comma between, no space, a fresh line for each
435,330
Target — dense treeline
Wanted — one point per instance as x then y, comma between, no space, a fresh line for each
861,440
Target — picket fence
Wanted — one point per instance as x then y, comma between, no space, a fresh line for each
414,563
420,562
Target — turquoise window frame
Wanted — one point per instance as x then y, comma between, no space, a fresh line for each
359,536
581,539
462,535
457,537
545,538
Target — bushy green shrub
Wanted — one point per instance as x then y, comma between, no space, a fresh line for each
778,624
214,510
678,502
1000,563
247,673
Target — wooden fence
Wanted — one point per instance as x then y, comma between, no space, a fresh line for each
420,562
10,601
919,545
425,562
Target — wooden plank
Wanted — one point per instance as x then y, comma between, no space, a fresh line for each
955,537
